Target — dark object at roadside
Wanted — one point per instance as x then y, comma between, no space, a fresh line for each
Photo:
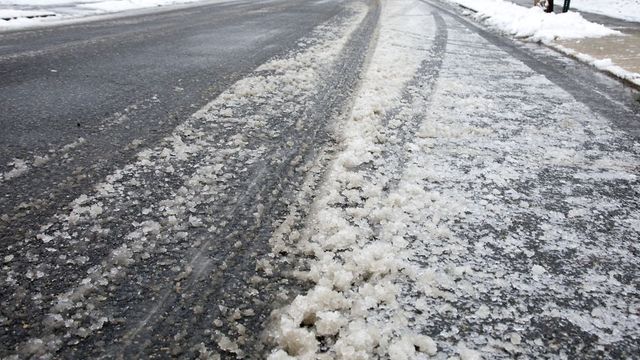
549,7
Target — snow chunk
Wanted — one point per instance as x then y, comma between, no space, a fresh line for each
537,270
425,344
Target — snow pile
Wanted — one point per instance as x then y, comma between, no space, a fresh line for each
533,23
621,9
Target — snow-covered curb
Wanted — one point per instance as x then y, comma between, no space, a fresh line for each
534,24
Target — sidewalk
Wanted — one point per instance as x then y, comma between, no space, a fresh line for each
618,55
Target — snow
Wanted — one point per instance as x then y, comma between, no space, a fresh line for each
621,9
169,211
601,64
355,278
20,167
466,227
456,208
533,23
49,12
7,14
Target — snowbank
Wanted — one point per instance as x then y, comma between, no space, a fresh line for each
534,23
123,5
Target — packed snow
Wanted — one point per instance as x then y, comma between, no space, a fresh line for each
533,23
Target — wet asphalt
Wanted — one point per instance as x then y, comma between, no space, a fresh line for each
130,79
88,97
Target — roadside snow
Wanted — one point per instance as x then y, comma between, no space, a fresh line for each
602,64
16,14
9,14
536,25
621,9
533,23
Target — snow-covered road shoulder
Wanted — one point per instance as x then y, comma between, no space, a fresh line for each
533,24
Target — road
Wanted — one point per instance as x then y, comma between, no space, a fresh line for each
168,179
88,97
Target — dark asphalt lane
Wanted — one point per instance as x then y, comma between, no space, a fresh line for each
123,88
69,82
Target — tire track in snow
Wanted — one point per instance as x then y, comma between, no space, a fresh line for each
402,123
605,96
256,212
510,233
351,311
515,201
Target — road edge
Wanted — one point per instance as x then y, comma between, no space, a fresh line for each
577,56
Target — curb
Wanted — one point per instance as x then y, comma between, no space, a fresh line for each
578,56
570,53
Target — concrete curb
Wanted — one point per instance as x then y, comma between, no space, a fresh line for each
580,57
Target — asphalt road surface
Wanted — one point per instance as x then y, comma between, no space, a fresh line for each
80,101
149,161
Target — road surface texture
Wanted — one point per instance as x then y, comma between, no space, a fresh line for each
316,179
